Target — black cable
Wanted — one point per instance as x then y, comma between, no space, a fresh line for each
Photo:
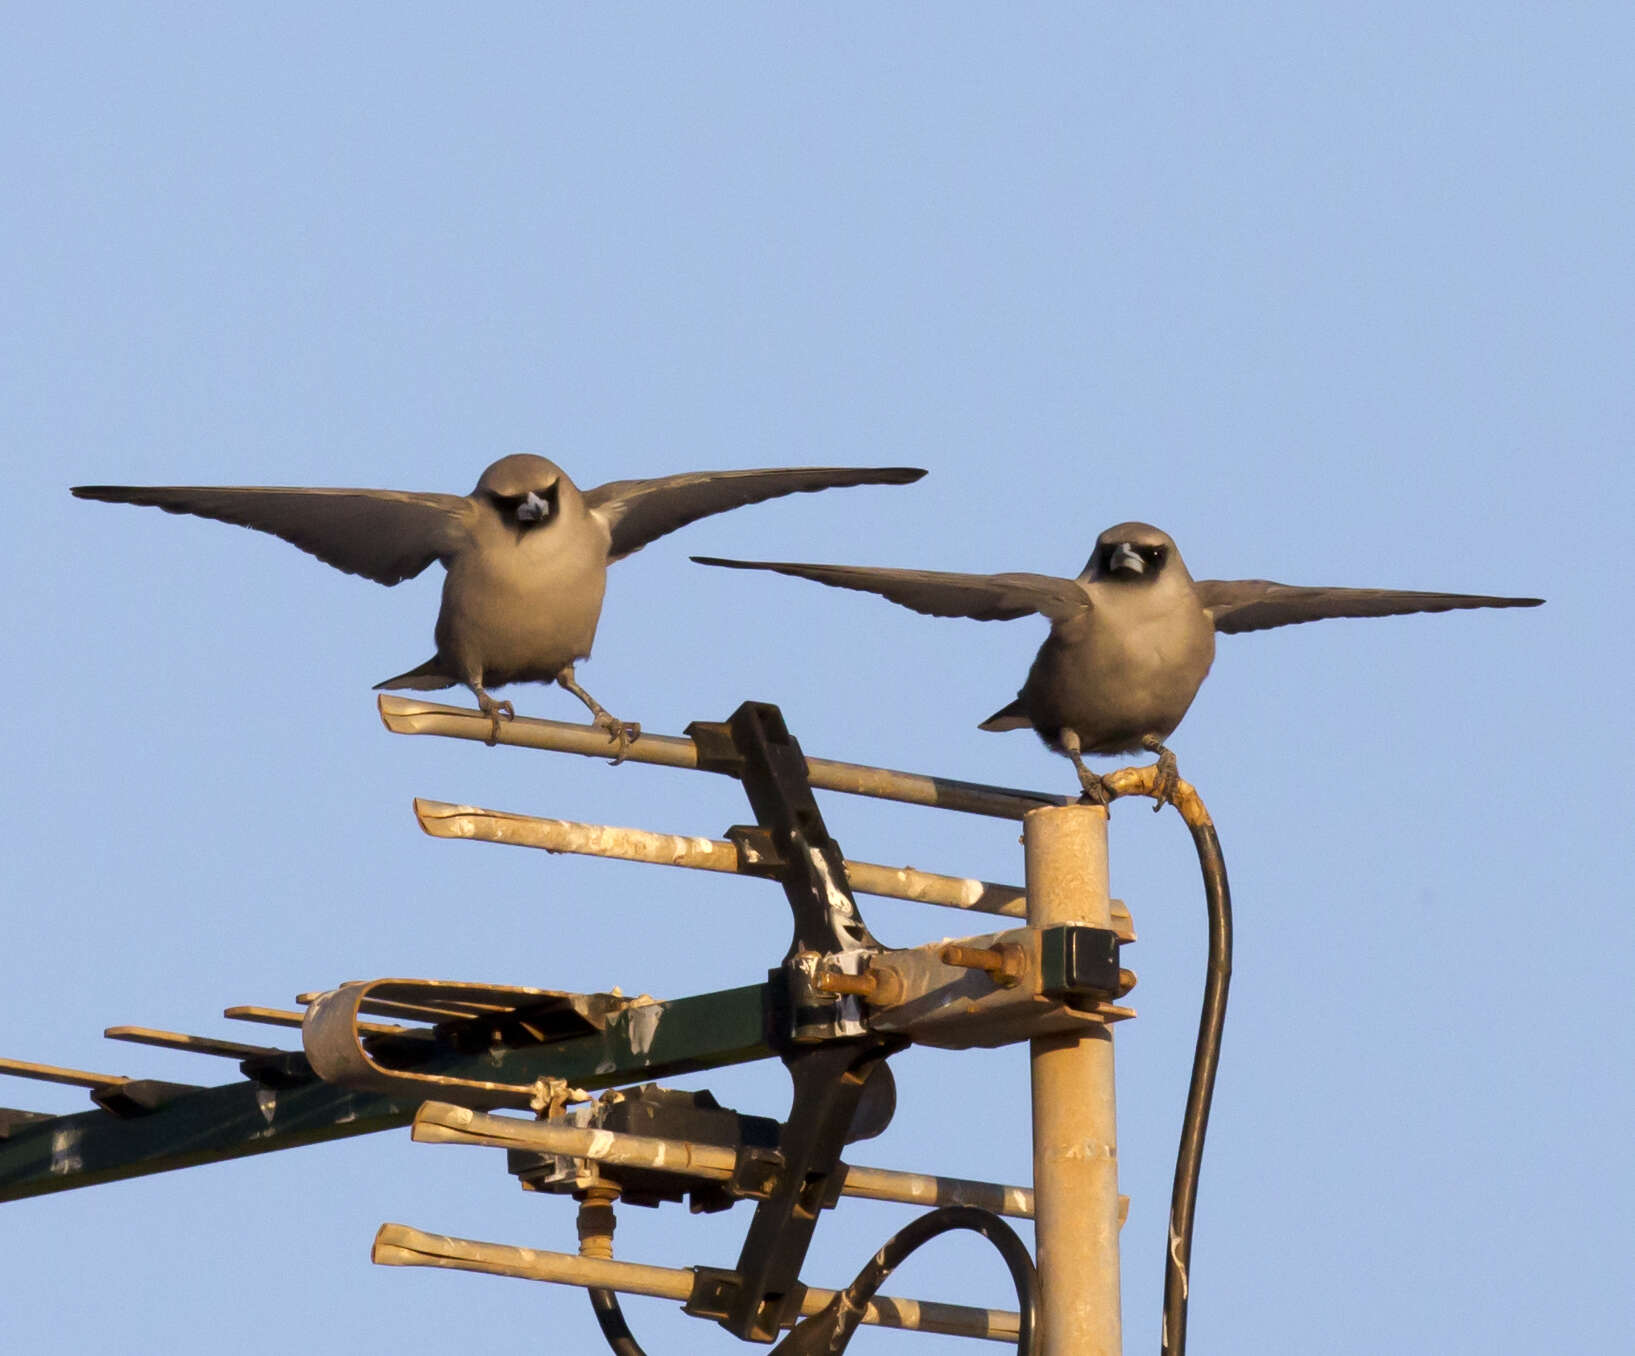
610,1318
830,1331
1205,1060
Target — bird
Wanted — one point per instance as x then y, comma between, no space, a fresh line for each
1131,640
526,552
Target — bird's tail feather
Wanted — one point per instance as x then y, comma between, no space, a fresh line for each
1011,717
425,678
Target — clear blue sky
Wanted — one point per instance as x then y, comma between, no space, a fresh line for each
1335,297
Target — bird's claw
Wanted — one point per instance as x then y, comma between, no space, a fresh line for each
1095,791
495,711
1167,784
1094,788
622,733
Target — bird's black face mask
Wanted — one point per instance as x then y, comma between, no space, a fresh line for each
1129,563
527,511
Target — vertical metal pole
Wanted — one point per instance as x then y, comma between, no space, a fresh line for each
1075,1140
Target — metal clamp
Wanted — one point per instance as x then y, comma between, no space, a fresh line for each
824,1038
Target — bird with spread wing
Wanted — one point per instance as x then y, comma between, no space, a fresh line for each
1131,638
526,552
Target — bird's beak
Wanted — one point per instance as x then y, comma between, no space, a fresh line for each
1126,557
533,509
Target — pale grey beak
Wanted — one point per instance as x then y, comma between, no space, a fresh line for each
1126,557
533,509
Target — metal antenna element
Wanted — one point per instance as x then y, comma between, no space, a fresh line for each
448,1055
404,716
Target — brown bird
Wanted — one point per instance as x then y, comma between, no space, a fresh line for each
1131,638
527,553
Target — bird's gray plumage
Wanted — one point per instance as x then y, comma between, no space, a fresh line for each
985,597
1131,638
639,511
526,551
384,535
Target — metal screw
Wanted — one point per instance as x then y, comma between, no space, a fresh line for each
1004,962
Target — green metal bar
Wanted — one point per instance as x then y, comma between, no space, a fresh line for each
207,1126
704,1031
683,1035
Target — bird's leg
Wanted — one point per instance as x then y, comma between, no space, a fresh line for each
619,731
1095,790
492,709
1169,772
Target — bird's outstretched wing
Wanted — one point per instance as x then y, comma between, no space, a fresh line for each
384,535
640,511
1256,604
984,597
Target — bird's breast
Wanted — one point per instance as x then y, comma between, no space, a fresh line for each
524,607
1116,677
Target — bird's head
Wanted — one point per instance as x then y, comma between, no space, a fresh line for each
1132,553
526,491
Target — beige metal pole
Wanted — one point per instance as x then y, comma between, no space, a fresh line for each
398,1245
1075,1141
444,1123
403,715
442,820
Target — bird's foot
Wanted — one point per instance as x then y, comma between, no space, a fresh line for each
495,711
622,733
1167,785
1095,790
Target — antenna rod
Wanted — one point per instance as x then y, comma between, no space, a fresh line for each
404,716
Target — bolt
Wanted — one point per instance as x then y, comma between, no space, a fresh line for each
596,1222
1003,962
832,981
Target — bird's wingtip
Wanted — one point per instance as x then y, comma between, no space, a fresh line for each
719,560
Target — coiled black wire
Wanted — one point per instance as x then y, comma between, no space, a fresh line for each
1206,1058
829,1331
610,1318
